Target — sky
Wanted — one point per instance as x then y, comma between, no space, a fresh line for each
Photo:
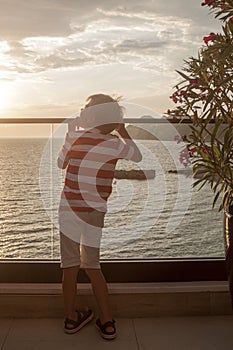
55,53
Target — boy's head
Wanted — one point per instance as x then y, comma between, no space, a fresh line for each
102,112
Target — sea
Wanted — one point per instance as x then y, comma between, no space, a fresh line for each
159,218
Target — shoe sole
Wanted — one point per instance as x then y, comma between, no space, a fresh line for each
72,331
106,336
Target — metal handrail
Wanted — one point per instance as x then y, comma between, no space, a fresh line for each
142,120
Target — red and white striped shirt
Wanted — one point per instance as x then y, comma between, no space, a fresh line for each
90,158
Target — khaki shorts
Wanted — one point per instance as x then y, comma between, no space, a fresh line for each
80,237
75,254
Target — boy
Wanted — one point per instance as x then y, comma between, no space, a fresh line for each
90,156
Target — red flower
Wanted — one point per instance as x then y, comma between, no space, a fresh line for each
174,99
209,3
183,92
193,82
223,5
185,157
204,150
169,111
211,37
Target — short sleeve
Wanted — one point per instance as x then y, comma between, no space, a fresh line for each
124,150
63,156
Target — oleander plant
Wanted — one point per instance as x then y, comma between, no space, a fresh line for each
205,96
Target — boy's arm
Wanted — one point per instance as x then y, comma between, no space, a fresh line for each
136,156
63,156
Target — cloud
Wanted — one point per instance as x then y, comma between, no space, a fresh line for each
20,19
132,46
17,49
58,62
37,54
34,55
46,63
138,45
44,110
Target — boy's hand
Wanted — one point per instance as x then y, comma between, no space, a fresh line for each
72,124
121,129
123,132
137,156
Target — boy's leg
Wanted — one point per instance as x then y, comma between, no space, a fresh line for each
69,286
70,262
90,255
100,290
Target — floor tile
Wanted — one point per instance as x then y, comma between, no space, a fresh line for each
47,334
5,325
192,333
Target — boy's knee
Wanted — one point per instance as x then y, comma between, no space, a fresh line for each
91,271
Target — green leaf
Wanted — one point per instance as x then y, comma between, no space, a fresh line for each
217,125
225,199
199,182
183,75
216,198
208,100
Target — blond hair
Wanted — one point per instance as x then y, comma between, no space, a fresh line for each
97,99
106,117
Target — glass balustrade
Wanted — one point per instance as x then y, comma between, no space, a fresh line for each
161,217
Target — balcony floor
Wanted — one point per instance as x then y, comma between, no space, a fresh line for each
162,333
